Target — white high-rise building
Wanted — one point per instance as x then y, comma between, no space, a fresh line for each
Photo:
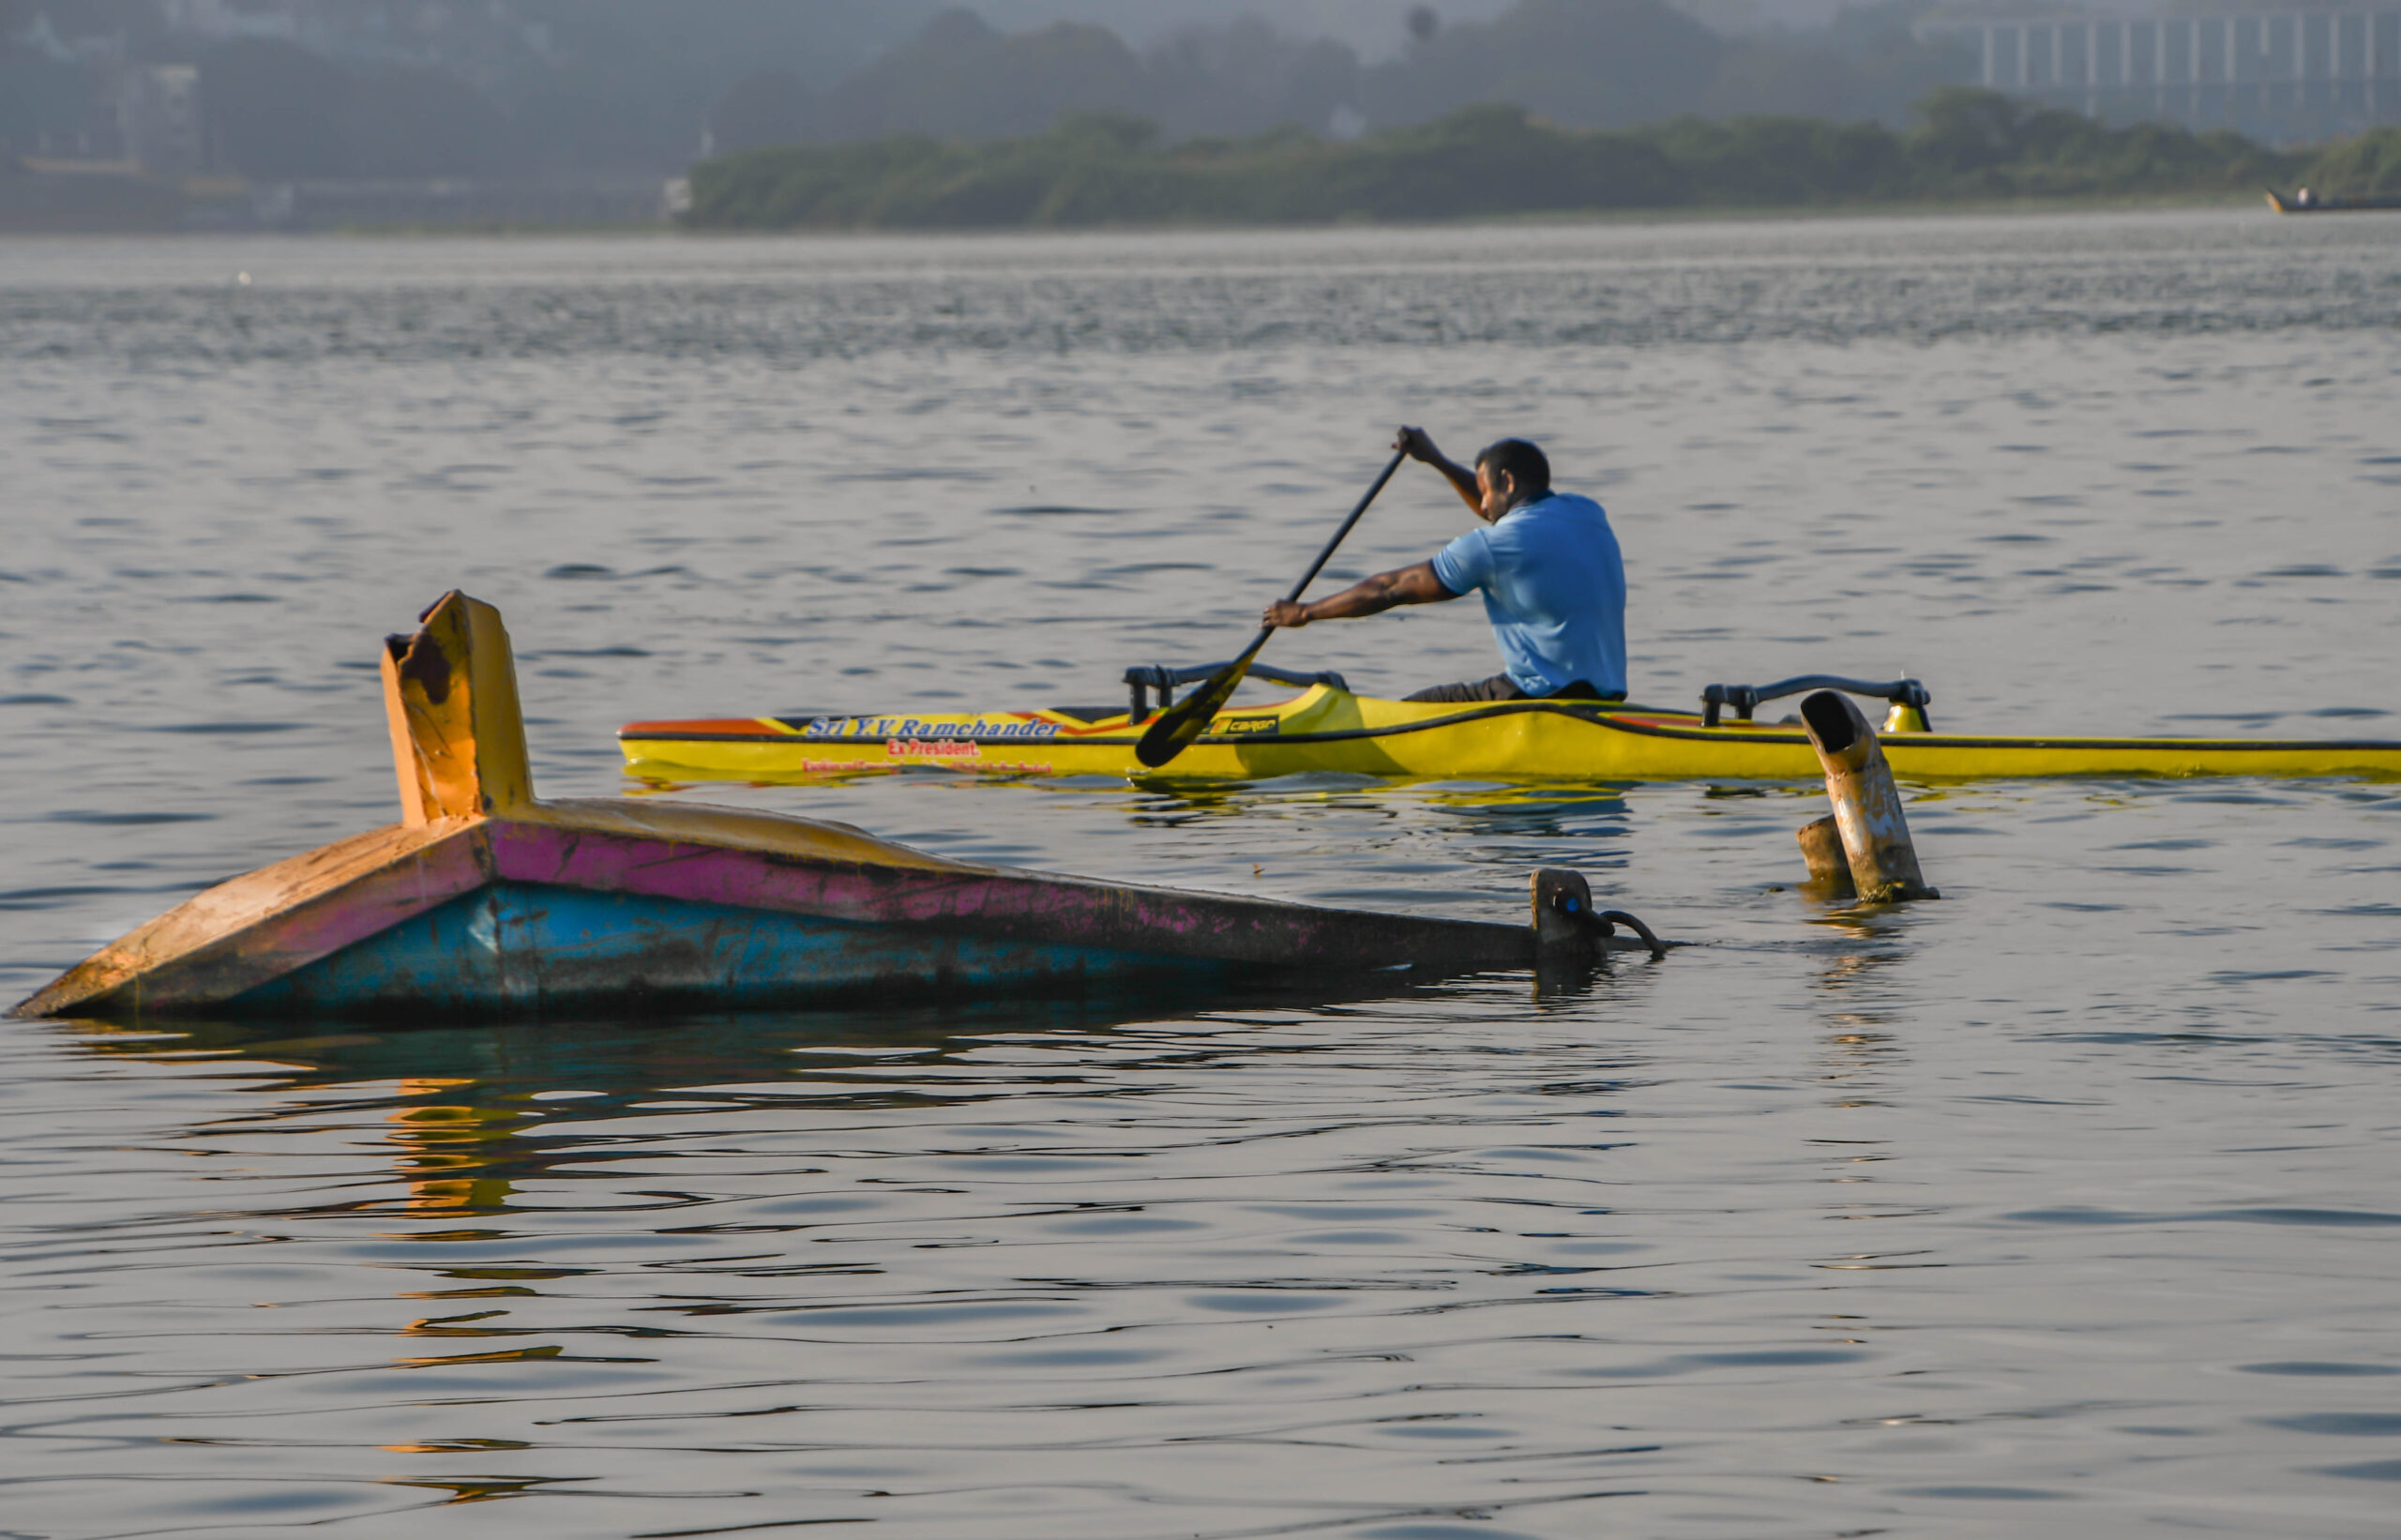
2290,77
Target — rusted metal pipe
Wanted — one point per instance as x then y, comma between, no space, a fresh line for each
1829,864
1867,805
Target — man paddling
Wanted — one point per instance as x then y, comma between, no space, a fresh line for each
1553,585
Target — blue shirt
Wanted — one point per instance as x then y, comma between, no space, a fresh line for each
1554,589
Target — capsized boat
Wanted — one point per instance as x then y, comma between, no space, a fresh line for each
1328,728
483,900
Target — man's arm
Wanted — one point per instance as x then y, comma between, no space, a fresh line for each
1368,597
1418,445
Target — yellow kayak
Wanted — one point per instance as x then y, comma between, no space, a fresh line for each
1328,729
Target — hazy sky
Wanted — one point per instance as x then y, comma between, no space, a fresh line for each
1375,29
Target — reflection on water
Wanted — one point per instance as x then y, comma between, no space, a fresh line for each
2065,1199
477,1112
1458,1261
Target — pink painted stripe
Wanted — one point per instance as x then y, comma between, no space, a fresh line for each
1018,905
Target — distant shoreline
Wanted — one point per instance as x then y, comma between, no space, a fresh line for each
1974,149
1541,218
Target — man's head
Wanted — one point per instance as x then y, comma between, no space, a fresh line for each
1509,472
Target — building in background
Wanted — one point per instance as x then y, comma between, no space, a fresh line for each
2289,77
161,121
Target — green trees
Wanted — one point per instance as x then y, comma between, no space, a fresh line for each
1773,161
1110,169
2360,167
1981,140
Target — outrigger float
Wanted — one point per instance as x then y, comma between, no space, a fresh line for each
1327,728
485,901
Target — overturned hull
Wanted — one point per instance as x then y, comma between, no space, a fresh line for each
535,948
603,905
485,901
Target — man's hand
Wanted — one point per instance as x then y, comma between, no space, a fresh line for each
1285,615
1418,445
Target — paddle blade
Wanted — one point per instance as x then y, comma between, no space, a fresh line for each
1175,728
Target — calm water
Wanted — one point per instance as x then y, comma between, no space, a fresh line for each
2065,1205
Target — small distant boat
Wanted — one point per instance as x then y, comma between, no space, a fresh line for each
484,901
2309,201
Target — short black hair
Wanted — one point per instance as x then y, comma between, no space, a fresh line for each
1519,461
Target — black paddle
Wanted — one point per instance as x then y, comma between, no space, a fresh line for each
1175,731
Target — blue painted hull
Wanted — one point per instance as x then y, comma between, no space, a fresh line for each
527,949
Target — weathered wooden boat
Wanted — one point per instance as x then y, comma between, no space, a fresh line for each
1327,728
483,901
2308,201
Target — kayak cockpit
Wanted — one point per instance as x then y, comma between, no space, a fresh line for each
1908,699
1164,677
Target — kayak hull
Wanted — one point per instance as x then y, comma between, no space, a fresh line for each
1327,730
